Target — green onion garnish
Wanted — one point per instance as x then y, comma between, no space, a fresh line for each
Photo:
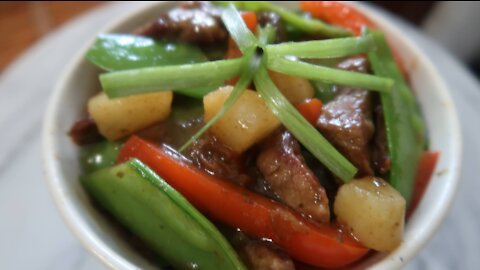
301,128
238,30
154,79
247,43
248,70
200,78
330,75
266,35
329,48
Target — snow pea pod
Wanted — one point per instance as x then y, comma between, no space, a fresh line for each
114,52
98,156
161,217
404,125
324,91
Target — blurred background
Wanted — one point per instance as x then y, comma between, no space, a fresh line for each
449,23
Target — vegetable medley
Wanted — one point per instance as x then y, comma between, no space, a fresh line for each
235,135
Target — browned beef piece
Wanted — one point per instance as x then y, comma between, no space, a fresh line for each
358,64
380,154
193,22
272,18
84,132
286,172
346,121
217,159
260,256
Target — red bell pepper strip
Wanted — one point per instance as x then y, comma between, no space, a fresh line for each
426,166
250,19
310,109
338,14
346,16
317,245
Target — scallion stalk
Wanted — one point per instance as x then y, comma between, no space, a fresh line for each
330,75
237,29
301,128
249,68
329,48
266,35
154,79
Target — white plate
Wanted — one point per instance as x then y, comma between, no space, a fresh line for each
29,224
79,82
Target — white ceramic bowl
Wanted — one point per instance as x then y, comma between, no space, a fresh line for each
80,81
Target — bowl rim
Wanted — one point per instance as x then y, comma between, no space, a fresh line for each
53,176
110,258
407,251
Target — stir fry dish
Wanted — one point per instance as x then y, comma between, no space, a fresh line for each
244,135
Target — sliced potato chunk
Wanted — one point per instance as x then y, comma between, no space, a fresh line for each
295,89
373,210
247,122
119,117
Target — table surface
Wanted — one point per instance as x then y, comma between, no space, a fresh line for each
22,23
32,233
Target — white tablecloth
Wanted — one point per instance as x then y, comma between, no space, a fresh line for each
32,234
